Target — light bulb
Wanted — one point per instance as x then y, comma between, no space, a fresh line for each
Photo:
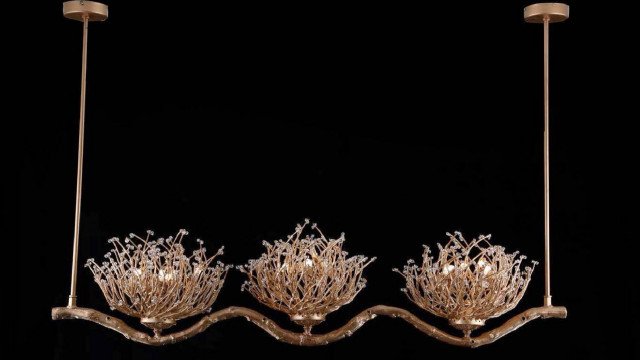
308,262
487,269
447,269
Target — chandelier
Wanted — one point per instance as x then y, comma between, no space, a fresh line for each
307,276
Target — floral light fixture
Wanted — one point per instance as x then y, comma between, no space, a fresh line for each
307,276
155,280
468,283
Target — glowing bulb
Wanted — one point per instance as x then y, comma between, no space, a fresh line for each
447,269
487,269
308,262
165,276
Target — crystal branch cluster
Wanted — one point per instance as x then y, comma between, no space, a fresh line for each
155,281
305,277
468,283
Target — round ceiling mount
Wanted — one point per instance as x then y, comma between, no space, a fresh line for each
555,12
77,10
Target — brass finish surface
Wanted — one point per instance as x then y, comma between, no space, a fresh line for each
84,11
78,10
304,339
546,13
554,12
547,216
76,227
307,321
466,326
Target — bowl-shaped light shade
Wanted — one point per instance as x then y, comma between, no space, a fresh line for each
155,281
306,277
468,283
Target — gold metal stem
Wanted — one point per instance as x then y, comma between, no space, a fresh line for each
546,13
76,230
547,232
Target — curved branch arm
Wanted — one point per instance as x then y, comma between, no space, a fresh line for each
294,338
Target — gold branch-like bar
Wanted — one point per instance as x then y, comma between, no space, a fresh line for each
302,339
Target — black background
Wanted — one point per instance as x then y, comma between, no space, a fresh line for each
391,123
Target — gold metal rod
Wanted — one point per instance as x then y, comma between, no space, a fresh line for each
76,230
547,233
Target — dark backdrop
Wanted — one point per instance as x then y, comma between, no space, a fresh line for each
391,123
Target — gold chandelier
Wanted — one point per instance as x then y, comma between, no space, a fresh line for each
307,276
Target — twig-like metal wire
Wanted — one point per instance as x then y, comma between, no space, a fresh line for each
468,283
155,281
305,277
